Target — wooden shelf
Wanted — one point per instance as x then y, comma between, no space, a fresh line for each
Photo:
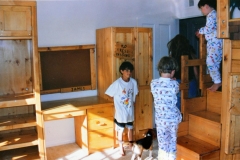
17,121
21,153
17,100
23,138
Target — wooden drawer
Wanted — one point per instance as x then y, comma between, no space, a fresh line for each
100,123
101,139
53,116
99,112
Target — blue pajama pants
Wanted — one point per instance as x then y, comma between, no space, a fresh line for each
214,58
167,140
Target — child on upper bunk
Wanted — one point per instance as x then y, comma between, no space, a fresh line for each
214,44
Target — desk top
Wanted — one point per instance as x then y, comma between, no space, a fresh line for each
76,104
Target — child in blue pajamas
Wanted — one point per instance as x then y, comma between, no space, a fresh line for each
167,115
214,45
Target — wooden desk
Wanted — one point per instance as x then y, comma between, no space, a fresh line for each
93,117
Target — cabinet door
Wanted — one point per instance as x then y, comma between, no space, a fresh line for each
15,67
143,74
15,21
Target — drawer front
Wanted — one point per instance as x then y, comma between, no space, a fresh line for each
101,139
100,123
99,112
48,117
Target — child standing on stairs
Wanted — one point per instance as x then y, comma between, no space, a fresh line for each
124,91
167,115
214,45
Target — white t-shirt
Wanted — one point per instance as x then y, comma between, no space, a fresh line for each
124,94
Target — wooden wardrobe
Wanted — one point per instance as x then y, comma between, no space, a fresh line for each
134,44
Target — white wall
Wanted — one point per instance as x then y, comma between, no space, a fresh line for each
74,22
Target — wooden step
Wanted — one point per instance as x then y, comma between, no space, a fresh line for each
205,126
214,101
17,121
18,139
26,153
191,148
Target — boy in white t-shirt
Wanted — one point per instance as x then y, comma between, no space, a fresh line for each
124,91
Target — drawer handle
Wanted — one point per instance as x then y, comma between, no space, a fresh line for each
101,124
100,112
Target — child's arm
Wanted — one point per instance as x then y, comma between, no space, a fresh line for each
211,25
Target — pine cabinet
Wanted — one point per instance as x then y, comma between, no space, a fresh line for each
20,109
15,21
115,45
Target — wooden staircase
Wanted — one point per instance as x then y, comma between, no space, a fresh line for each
199,134
202,141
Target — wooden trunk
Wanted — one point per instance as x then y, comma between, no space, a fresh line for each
136,46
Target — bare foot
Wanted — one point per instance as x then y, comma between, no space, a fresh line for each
215,87
122,152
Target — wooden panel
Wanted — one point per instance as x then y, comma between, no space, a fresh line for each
204,126
234,126
100,123
99,112
194,105
100,139
225,101
123,35
143,111
183,129
223,18
26,152
144,56
235,44
15,21
23,138
235,66
214,101
15,62
48,117
17,111
16,101
212,156
81,133
17,121
191,148
236,54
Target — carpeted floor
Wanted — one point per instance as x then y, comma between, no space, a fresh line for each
73,152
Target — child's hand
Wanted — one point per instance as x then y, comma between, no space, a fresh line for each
197,33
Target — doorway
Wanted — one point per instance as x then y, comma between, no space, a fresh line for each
188,27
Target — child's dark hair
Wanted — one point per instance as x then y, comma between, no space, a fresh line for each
126,65
167,65
211,3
